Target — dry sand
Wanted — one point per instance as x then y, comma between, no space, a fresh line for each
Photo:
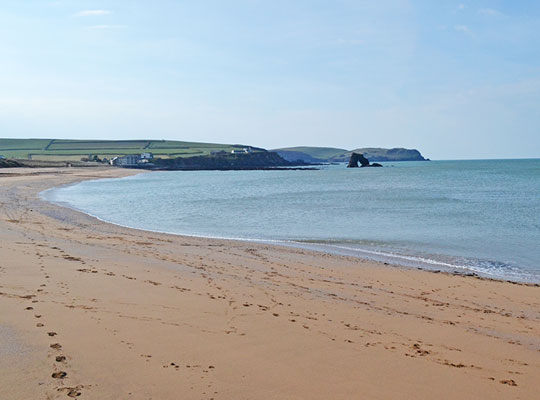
127,314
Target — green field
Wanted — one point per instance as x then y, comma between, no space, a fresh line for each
321,153
74,150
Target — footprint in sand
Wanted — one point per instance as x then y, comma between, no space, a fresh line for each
60,358
59,375
51,333
73,392
56,346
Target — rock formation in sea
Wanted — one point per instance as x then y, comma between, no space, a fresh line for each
359,158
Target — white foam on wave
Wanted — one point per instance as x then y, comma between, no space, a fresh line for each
502,271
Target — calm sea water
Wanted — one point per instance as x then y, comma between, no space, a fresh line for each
477,216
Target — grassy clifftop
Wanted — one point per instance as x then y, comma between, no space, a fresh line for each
55,150
74,150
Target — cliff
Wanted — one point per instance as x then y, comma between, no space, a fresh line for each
330,154
224,161
396,154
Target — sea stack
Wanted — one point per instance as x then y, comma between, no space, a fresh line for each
359,158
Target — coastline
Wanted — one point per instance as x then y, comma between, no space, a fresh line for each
163,315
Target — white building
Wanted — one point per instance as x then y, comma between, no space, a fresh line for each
130,160
242,151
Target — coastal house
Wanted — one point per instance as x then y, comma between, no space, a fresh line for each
245,150
130,160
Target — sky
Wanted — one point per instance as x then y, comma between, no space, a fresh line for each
456,80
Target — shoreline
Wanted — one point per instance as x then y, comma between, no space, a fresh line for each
381,258
138,314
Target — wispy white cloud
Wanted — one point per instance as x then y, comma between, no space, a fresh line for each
490,12
461,7
462,28
92,13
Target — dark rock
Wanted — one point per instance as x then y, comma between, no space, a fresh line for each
357,158
4,163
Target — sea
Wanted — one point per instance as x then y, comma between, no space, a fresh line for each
473,217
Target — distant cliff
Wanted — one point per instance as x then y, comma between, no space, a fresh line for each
396,154
224,161
329,154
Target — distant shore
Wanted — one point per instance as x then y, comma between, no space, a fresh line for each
134,314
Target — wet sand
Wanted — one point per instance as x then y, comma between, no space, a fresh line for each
96,311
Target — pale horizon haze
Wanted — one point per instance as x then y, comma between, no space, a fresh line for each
456,80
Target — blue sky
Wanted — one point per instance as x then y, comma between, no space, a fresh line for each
453,79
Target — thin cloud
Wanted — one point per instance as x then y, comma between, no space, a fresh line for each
461,7
490,11
92,13
462,28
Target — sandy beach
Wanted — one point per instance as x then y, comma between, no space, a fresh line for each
96,311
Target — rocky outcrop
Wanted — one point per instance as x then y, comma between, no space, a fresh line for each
223,161
4,163
359,158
